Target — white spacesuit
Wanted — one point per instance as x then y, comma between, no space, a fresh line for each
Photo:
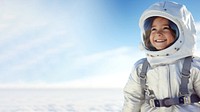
164,73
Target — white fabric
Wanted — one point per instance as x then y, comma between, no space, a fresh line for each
186,41
164,80
164,75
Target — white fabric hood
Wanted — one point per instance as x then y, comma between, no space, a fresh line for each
184,46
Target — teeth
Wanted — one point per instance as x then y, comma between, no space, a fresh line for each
160,40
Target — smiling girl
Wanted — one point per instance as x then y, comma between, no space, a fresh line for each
168,79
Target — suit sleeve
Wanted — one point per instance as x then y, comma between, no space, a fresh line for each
133,92
195,75
196,82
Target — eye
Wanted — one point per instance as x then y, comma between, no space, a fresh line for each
166,28
153,29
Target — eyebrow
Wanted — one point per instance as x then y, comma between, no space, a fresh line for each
162,24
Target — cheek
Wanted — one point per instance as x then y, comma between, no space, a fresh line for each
151,38
170,38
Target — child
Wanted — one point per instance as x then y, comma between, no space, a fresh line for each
168,80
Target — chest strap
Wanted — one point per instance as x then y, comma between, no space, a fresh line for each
143,74
185,75
167,102
184,93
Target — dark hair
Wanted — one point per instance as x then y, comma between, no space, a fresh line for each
147,28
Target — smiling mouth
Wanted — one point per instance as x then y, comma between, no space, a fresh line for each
160,41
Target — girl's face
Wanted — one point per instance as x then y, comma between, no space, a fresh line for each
161,35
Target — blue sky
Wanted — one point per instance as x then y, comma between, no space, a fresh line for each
71,43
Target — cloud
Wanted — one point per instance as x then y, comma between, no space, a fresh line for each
197,52
107,55
34,34
30,32
107,69
198,28
39,58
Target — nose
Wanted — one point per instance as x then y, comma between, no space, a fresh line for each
159,33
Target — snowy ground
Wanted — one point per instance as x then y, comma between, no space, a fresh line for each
61,100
